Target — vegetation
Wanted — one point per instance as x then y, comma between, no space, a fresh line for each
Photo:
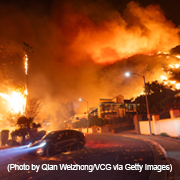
65,112
164,134
26,126
26,123
100,122
33,108
161,99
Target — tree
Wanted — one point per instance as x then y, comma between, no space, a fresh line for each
12,118
161,98
26,126
65,111
33,108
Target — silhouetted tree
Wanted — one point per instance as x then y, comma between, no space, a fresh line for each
65,111
26,126
33,108
161,98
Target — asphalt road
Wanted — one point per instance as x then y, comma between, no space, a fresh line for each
104,151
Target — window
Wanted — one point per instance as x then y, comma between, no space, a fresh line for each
131,107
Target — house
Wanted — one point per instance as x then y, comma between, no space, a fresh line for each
116,107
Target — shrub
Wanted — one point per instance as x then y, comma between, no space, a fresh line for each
164,134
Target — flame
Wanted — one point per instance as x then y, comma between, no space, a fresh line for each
26,92
163,77
26,72
16,100
26,64
175,85
139,30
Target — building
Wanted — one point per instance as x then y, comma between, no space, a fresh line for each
114,108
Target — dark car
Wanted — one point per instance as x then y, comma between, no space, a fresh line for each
56,142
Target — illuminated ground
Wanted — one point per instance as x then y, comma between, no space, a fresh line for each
100,149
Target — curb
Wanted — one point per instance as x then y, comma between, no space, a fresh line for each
169,175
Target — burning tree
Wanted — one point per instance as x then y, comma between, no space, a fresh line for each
19,106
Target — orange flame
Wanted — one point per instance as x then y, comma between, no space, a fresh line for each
26,64
165,78
16,100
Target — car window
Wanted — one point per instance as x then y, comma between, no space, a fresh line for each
61,135
51,135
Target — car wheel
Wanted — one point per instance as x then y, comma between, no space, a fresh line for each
50,151
80,144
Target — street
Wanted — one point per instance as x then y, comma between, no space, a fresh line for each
118,157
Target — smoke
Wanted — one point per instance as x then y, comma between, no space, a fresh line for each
83,50
139,30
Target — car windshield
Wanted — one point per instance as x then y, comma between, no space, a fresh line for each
51,135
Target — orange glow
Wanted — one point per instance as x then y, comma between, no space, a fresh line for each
171,66
172,82
26,72
141,30
177,85
177,65
163,77
26,92
26,64
16,100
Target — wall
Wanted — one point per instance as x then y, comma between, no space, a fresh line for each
170,126
144,127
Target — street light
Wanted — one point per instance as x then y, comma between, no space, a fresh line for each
127,74
87,122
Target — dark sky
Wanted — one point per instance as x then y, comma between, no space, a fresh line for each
170,8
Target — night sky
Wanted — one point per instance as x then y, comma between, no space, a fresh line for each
83,48
170,8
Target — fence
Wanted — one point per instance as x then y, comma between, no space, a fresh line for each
170,126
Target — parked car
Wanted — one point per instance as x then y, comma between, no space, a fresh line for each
56,142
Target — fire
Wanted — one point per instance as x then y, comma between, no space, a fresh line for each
16,100
163,77
26,64
26,72
139,30
166,79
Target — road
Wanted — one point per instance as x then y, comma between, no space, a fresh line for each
107,151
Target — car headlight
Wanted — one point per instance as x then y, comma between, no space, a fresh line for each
42,144
29,145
